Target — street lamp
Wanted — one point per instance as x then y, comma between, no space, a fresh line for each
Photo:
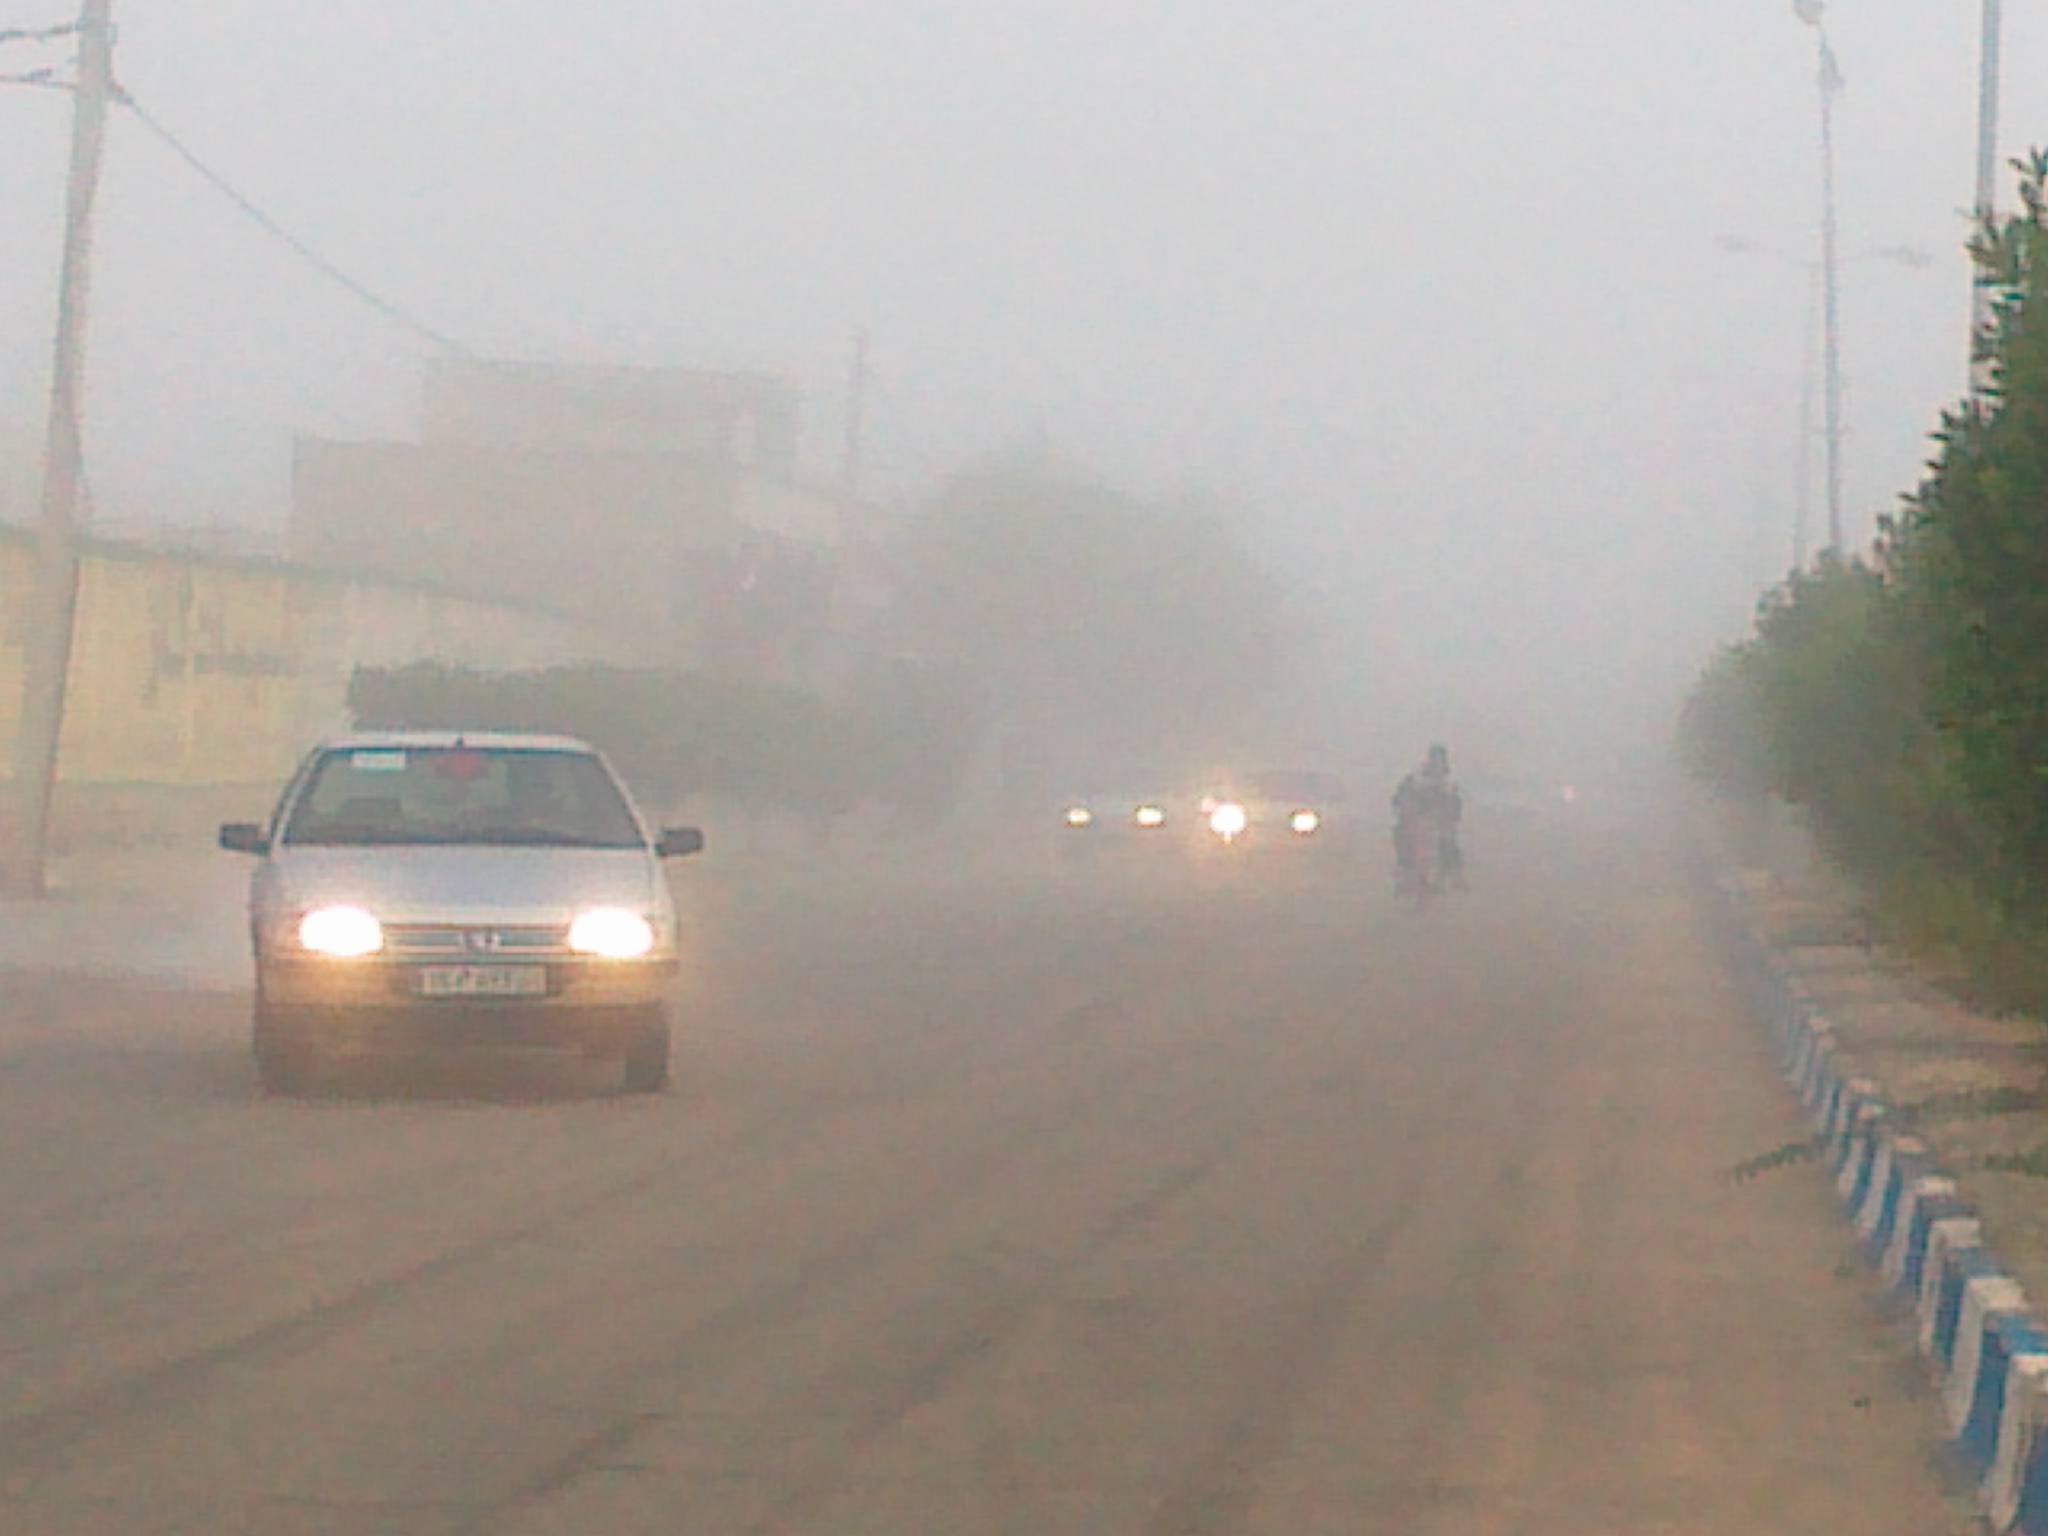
1899,255
1830,81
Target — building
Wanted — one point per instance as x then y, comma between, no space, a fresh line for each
741,419
664,503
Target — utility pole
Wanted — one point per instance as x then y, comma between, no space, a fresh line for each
1987,187
856,429
1812,12
1802,506
1831,295
848,560
61,529
1811,370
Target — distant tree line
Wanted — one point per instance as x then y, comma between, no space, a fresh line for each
897,738
1037,613
1900,699
1097,628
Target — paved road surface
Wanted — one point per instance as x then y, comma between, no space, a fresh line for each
1118,1202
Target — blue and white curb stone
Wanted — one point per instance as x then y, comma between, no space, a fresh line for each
1945,1240
1987,1350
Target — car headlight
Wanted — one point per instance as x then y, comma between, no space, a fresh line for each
1229,819
1149,816
1304,822
612,934
1079,816
341,933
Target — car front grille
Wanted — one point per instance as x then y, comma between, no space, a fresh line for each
480,943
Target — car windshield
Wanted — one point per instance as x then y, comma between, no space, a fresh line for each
497,797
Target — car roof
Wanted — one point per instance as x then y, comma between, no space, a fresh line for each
502,741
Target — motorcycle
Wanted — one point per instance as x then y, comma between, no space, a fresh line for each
1420,877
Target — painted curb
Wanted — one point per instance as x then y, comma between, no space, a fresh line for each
1986,1348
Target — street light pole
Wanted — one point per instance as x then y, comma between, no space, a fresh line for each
856,427
1987,188
1802,508
1830,270
61,525
1810,372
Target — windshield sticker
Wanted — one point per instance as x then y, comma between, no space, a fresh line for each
377,762
461,765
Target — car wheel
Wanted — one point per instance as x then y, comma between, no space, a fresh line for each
646,1069
283,1064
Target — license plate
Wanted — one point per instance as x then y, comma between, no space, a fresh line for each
482,981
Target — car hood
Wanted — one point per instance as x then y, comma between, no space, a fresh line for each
466,885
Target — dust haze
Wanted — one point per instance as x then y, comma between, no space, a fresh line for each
1427,316
1011,487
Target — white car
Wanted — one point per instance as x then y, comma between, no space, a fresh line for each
427,891
1276,808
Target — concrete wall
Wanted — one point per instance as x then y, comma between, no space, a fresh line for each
194,675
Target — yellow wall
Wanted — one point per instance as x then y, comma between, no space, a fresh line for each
189,672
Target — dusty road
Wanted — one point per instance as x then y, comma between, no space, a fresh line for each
1123,1203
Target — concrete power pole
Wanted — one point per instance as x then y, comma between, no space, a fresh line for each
856,428
1831,301
49,648
1987,185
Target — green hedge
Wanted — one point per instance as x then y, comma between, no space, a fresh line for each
1902,701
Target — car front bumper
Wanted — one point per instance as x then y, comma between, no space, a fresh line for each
365,1008
570,985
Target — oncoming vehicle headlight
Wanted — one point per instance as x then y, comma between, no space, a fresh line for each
1079,816
1149,816
612,934
1304,822
1229,819
341,933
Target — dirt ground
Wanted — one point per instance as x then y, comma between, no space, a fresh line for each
991,1201
1973,1087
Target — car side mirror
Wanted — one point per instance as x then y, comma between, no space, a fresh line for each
244,837
680,842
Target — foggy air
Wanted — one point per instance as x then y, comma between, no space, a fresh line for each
1002,675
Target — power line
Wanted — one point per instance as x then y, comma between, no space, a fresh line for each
39,34
270,226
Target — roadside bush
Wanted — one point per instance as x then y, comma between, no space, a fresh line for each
1901,702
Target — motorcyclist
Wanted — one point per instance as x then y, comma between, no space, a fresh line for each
1427,801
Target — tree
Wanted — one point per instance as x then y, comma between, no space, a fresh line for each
1972,553
1089,622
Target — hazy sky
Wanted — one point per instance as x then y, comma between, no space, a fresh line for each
1437,288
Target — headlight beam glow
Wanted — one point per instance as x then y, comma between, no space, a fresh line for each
1229,820
611,933
340,933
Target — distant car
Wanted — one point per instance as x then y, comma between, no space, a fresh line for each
421,891
1124,814
1285,807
